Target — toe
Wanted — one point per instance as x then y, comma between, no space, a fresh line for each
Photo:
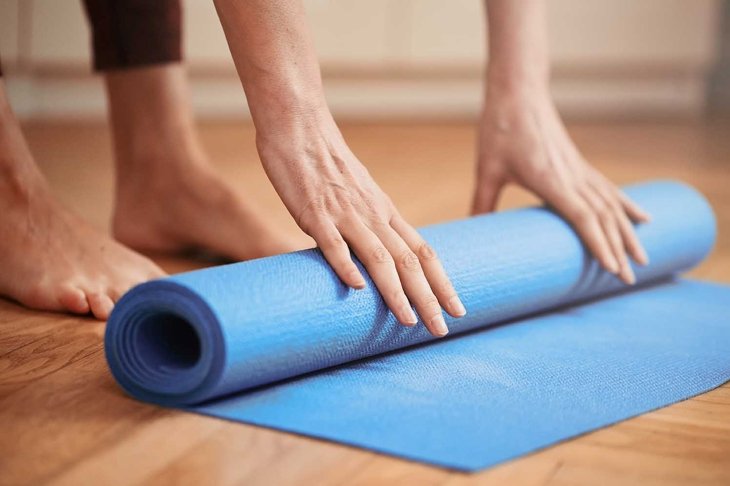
116,292
101,305
74,300
155,272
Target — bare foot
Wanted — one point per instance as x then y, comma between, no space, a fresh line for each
168,199
53,260
50,259
188,207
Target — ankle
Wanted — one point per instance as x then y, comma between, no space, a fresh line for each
158,181
20,187
157,156
20,179
151,118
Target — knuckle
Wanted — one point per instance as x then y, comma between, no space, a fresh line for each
630,236
582,216
346,219
333,241
342,201
409,261
426,252
446,289
604,214
377,223
380,255
337,204
311,214
397,295
375,212
429,301
611,193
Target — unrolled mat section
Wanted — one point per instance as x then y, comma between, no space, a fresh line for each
551,347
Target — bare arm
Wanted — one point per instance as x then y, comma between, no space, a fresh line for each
324,186
518,44
523,140
275,59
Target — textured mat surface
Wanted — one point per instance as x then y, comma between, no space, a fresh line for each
551,347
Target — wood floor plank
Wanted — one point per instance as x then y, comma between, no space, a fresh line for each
64,421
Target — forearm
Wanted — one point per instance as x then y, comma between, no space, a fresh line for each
331,196
275,58
518,52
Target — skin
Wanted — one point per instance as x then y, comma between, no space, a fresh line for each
332,197
50,258
328,192
522,140
167,199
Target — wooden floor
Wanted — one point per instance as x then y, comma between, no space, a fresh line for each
64,421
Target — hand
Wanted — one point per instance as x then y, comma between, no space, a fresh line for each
522,140
333,198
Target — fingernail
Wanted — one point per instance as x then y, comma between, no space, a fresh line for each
408,317
627,274
643,257
457,307
357,281
438,326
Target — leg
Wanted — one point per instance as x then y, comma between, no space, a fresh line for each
168,197
50,258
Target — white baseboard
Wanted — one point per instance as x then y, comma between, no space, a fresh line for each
221,96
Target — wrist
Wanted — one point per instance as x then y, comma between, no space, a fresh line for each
508,102
284,130
281,109
514,78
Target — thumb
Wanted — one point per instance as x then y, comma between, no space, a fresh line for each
486,195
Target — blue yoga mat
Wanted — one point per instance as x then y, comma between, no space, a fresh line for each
551,347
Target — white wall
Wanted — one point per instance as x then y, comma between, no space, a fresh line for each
384,58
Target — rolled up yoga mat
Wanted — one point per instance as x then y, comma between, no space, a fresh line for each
551,347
